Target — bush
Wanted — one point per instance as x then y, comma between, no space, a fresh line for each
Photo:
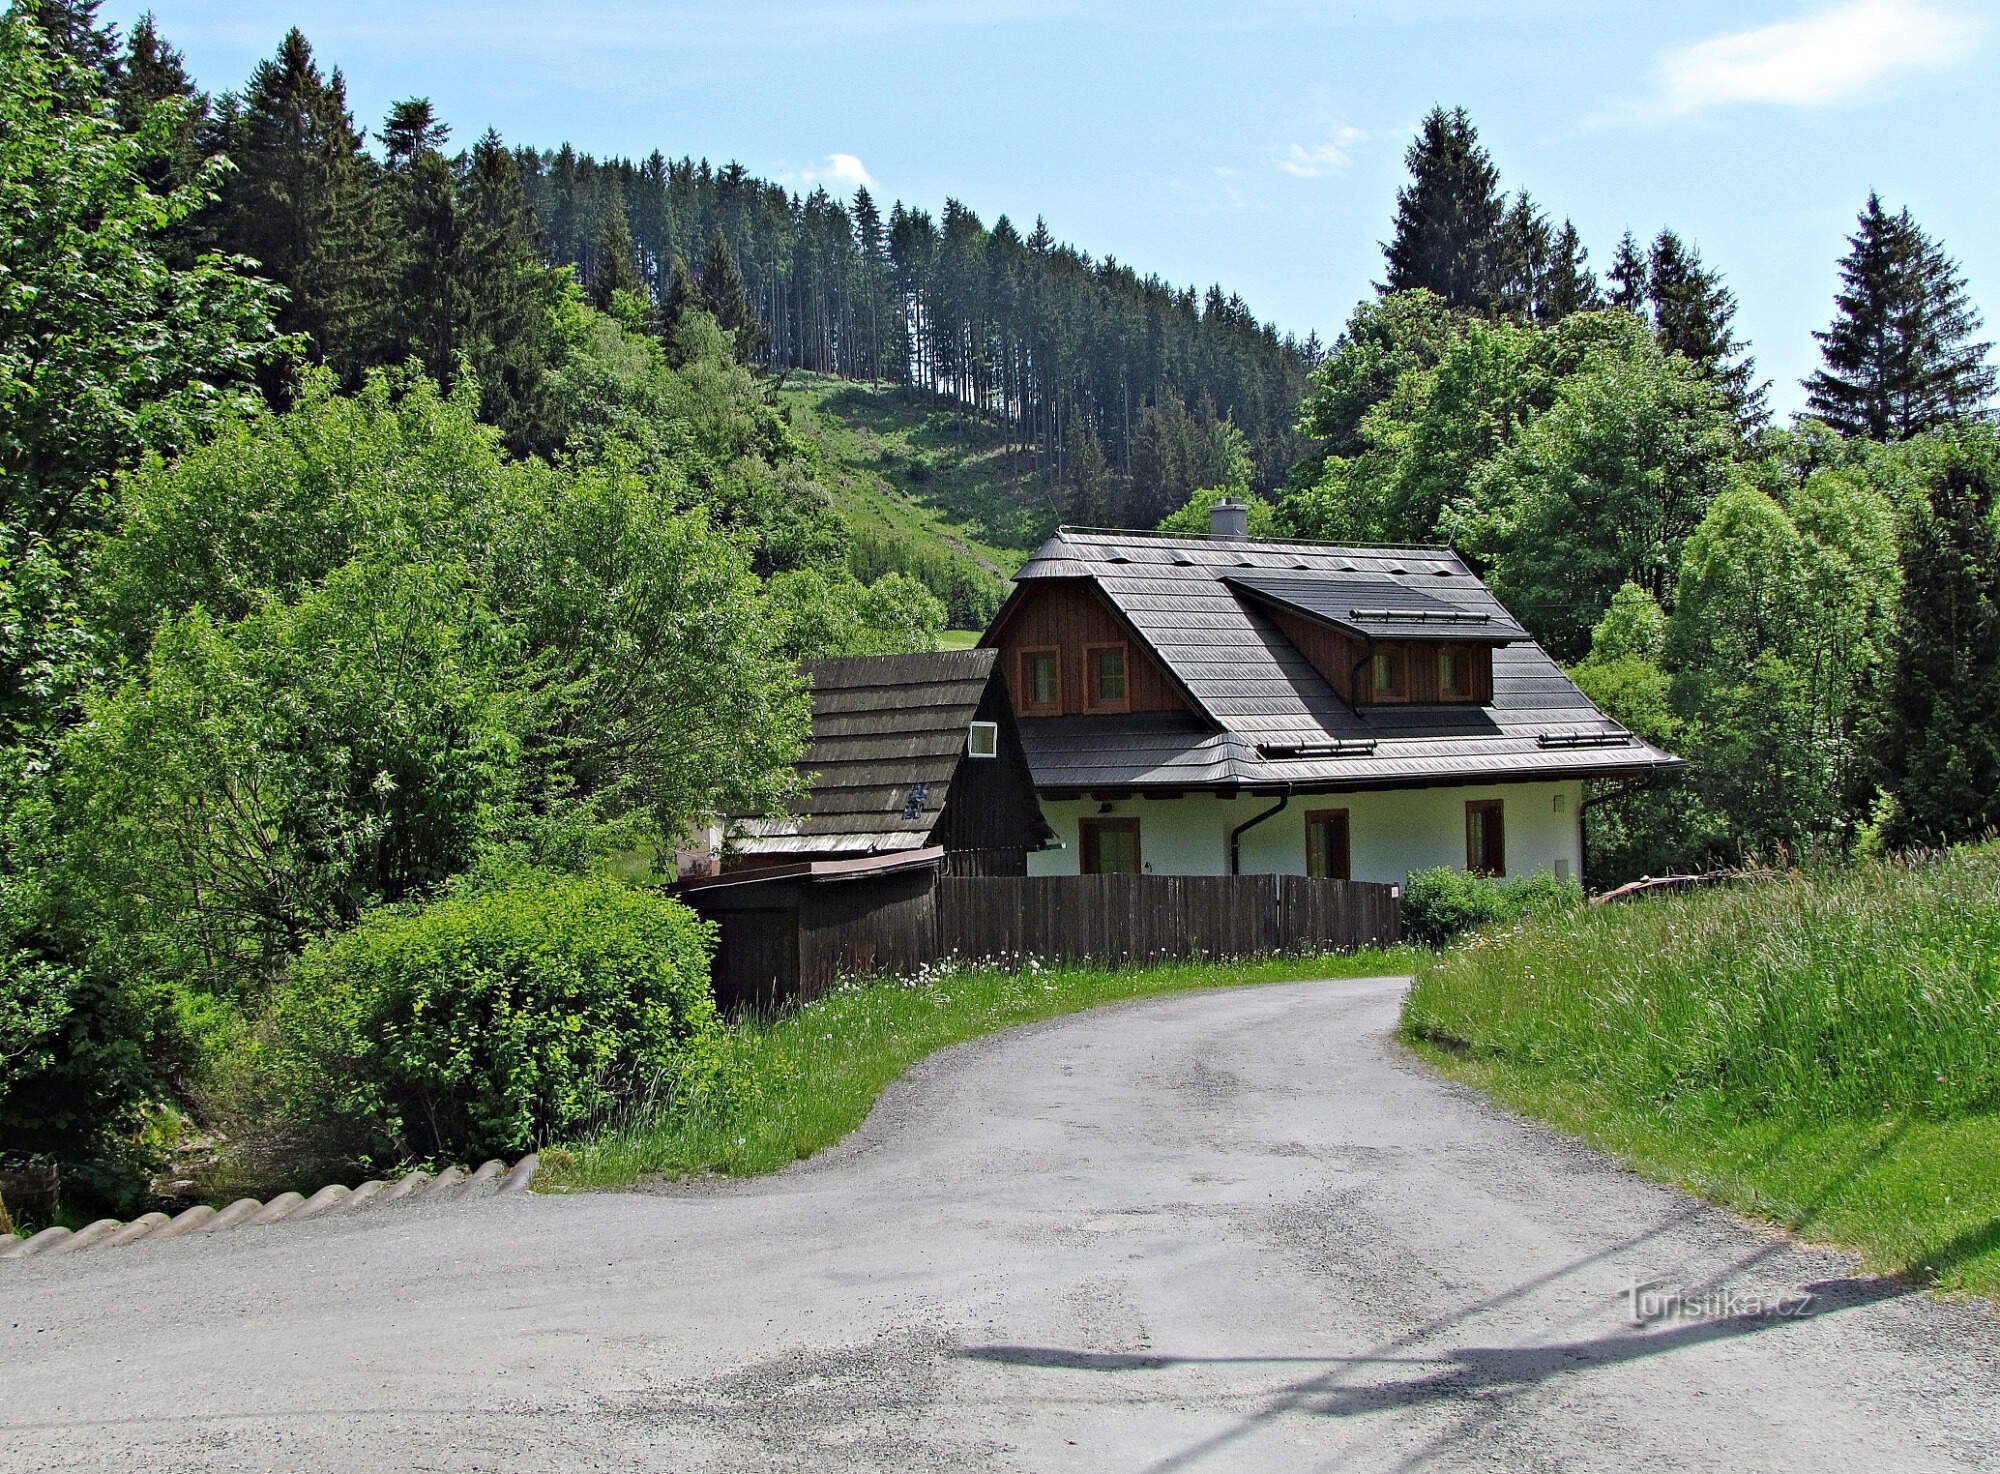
1444,903
487,1023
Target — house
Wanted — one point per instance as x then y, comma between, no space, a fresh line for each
1214,706
908,752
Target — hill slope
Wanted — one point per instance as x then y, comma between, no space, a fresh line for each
923,487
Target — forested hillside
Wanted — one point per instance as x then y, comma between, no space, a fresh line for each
1091,366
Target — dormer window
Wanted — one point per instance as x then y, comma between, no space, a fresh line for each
983,740
1389,679
1454,673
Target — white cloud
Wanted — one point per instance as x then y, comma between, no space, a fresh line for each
840,173
1828,56
1316,161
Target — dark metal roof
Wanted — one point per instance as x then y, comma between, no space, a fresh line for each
1374,606
1267,717
888,732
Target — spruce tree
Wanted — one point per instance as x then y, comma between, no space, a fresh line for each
72,27
1941,741
510,297
1569,285
872,289
412,128
682,296
427,313
1526,250
1449,216
614,257
1693,313
1628,276
303,204
723,293
152,73
1900,357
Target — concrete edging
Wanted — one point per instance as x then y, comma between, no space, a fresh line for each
452,1182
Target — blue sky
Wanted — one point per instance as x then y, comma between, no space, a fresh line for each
1259,145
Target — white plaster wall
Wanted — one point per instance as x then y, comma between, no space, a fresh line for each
1390,833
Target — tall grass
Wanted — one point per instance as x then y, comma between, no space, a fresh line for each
1852,992
806,1078
1820,1050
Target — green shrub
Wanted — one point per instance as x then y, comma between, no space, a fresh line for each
1443,903
486,1023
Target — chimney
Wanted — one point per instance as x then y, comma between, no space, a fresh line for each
1229,518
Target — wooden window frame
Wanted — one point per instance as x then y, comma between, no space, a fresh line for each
1087,846
1496,809
1024,669
989,730
1091,703
1323,816
1466,663
1399,693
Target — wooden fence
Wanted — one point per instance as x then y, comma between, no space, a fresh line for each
1119,918
792,937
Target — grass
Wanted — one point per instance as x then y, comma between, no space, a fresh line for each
1821,1051
917,468
811,1076
959,639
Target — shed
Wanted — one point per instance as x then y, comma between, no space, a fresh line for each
788,932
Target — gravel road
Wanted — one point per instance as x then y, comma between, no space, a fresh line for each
1236,1231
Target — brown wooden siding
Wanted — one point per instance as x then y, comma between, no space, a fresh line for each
1068,617
785,941
991,816
1335,655
1332,654
1114,918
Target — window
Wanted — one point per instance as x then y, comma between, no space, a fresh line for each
1485,837
1390,680
1326,844
1105,687
984,740
1109,846
1454,673
1041,682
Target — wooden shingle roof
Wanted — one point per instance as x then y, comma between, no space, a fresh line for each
888,733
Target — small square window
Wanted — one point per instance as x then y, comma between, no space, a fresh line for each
984,741
1105,676
1110,670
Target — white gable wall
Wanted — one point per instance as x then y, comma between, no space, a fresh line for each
1390,833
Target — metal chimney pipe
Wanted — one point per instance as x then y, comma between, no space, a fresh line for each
1229,518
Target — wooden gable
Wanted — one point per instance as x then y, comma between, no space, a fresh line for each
1069,620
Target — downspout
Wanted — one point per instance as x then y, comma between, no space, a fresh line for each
1236,834
1354,678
